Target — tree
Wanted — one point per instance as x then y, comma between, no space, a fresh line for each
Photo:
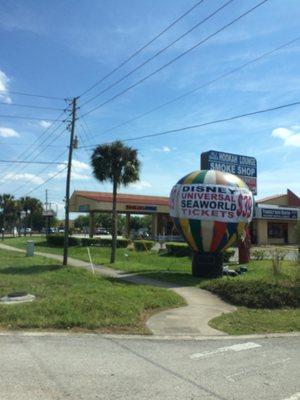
81,221
119,165
31,206
9,211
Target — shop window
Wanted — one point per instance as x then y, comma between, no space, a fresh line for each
275,230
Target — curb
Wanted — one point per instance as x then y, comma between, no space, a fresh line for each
149,337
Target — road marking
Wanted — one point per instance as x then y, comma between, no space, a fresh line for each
295,396
254,370
235,347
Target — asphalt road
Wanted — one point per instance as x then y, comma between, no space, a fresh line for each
86,367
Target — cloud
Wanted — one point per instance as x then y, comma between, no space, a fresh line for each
79,165
4,80
140,185
288,136
45,124
80,177
8,132
163,149
80,171
23,177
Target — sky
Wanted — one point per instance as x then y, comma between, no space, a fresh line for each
60,48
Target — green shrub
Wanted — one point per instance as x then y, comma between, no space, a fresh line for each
106,242
178,249
228,254
143,245
258,254
86,242
58,240
255,294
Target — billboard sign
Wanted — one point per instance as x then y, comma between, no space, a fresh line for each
243,166
273,213
134,207
83,208
210,202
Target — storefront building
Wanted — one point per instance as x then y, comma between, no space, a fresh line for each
128,204
275,219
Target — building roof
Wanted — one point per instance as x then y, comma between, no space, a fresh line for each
124,198
264,199
292,199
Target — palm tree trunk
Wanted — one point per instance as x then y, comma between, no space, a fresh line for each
24,224
114,224
3,227
31,223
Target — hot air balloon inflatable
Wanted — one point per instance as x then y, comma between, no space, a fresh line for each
211,209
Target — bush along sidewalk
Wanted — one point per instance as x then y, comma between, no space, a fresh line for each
254,293
176,249
143,245
58,241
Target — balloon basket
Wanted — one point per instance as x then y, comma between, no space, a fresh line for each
207,265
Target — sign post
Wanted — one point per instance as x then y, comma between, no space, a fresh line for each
244,167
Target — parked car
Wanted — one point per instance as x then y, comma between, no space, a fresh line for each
23,230
102,231
50,231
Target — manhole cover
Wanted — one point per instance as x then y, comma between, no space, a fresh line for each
17,297
17,294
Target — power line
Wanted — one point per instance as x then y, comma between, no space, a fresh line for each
46,181
25,144
45,147
29,118
204,85
143,47
24,153
28,181
86,130
29,155
158,53
30,162
176,58
32,95
217,121
31,106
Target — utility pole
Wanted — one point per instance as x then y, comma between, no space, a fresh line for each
68,181
46,209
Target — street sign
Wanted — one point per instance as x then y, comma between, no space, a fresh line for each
280,213
243,166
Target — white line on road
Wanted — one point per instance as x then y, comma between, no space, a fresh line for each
295,396
235,347
254,370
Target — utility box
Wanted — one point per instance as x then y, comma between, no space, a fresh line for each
30,248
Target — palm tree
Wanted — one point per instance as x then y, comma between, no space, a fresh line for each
119,165
8,207
33,205
24,203
36,207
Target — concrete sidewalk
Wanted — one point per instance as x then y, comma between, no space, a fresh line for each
191,320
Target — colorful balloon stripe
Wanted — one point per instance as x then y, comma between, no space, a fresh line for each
211,209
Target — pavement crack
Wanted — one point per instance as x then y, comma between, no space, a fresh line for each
166,369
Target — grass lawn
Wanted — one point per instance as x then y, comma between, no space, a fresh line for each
178,270
247,321
70,298
126,260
